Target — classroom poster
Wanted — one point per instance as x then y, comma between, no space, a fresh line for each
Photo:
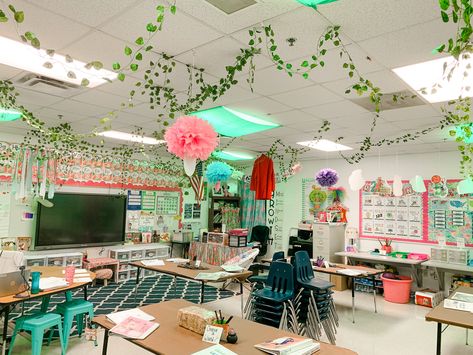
5,200
275,218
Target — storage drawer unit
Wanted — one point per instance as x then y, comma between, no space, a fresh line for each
36,262
123,275
136,254
120,254
73,261
56,261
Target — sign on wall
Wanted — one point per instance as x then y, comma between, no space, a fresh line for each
275,219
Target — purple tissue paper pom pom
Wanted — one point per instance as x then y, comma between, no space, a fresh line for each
326,177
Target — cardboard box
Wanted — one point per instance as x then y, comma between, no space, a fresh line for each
340,282
428,298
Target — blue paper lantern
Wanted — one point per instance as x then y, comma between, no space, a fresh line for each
218,171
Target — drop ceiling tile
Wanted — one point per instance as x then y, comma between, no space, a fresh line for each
280,132
409,114
255,14
101,98
180,32
54,31
51,116
260,106
29,97
12,134
291,117
7,72
311,125
410,45
77,107
369,18
144,110
89,12
335,109
306,97
123,88
235,95
271,81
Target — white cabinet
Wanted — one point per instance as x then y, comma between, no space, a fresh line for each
327,240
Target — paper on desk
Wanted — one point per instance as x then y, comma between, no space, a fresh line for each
462,296
82,279
78,271
215,350
211,276
350,272
154,262
118,317
49,283
178,260
458,305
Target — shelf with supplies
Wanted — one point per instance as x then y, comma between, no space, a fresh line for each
128,253
53,258
215,205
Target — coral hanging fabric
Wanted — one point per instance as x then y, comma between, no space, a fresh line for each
253,212
231,217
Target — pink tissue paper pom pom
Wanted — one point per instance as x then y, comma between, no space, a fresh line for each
191,137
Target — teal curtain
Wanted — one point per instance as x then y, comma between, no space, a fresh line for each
253,212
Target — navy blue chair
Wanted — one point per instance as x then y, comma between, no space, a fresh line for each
260,280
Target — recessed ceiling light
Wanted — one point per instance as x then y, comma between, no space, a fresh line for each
130,137
232,123
9,115
23,56
426,74
227,155
325,145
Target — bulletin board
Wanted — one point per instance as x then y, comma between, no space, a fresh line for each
154,210
398,218
440,212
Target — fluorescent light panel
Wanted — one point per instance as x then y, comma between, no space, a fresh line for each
9,115
325,145
23,56
130,137
227,155
426,74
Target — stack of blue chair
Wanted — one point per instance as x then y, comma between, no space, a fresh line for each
313,303
273,304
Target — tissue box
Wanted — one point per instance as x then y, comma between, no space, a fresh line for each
428,298
195,318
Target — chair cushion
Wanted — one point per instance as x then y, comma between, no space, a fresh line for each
103,274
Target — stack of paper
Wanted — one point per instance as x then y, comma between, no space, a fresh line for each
215,350
289,346
212,276
178,260
118,317
134,328
350,272
50,283
154,262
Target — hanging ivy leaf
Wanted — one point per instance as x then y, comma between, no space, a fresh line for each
445,17
35,43
173,9
71,75
128,50
139,56
19,16
97,65
48,65
85,82
134,67
116,66
139,41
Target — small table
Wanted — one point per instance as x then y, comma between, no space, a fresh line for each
440,268
443,315
172,339
7,302
173,269
94,263
185,248
367,273
416,272
214,254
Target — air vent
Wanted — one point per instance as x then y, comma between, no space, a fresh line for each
45,85
231,6
388,103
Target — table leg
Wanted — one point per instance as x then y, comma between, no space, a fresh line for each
172,247
439,338
417,275
202,288
138,271
85,292
241,296
175,286
466,338
6,314
353,300
374,293
105,342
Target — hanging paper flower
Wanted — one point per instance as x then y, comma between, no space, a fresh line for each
191,138
218,172
296,168
326,177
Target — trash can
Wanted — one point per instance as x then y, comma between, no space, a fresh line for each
397,289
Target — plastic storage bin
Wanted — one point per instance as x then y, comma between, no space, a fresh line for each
397,291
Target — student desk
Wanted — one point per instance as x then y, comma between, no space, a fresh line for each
416,272
173,269
367,273
443,315
170,338
7,302
440,268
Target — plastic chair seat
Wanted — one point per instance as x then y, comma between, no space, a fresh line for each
76,306
258,278
268,294
316,284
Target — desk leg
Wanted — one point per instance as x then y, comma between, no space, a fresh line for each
374,293
85,292
440,278
105,342
172,247
6,314
353,300
138,271
439,338
202,288
241,297
417,275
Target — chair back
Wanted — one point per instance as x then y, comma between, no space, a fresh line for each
260,234
278,256
281,278
303,266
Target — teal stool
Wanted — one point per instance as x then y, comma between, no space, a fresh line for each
37,324
71,309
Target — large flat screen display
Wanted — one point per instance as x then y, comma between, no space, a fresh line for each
78,220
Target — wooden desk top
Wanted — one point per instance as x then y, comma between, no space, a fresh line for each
170,338
367,271
46,271
379,258
173,269
454,317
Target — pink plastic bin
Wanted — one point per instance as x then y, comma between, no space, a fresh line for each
397,291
